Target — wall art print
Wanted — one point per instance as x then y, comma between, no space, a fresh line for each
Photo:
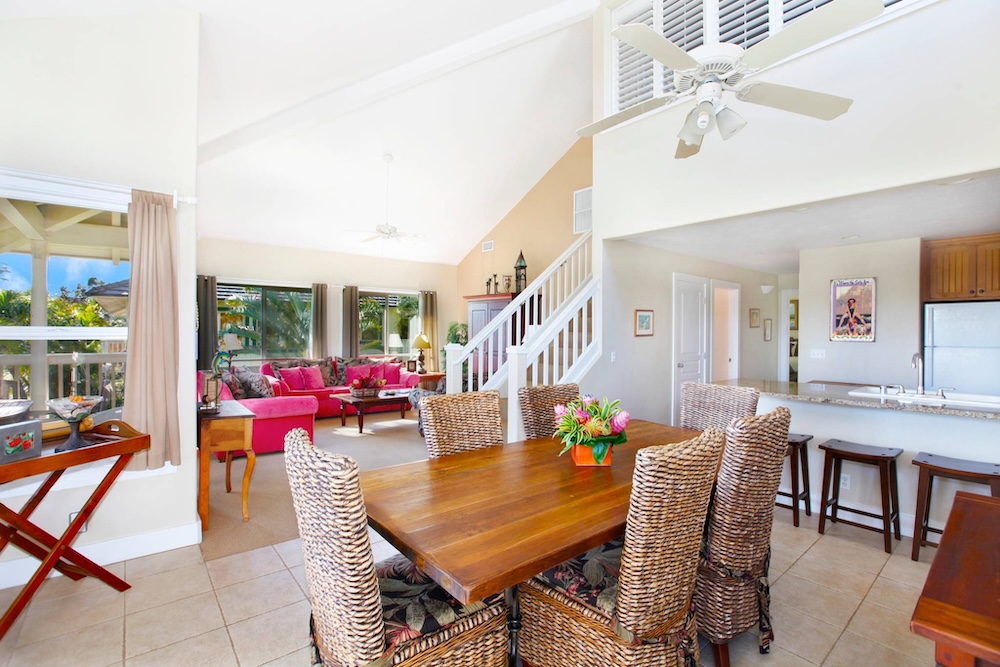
852,310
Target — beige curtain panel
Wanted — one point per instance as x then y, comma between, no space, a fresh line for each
320,348
152,355
351,344
428,323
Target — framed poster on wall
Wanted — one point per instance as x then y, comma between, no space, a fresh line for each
852,310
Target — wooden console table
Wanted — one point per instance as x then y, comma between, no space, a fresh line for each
113,438
228,430
959,607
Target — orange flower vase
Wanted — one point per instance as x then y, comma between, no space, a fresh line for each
584,456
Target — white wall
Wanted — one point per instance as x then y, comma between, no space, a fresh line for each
638,276
113,100
276,265
895,265
911,78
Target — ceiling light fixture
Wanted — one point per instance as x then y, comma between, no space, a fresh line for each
797,209
766,289
850,237
959,181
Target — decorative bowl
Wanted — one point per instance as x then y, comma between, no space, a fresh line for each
74,408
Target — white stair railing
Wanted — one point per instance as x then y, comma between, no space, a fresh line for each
485,355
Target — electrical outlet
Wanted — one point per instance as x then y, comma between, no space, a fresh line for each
817,354
845,481
72,516
614,357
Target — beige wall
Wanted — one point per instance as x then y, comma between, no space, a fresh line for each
895,265
254,262
113,100
540,225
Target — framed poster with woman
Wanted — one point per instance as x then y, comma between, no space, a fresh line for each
852,310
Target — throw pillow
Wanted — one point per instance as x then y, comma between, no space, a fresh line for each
312,377
254,384
357,372
276,366
378,371
235,387
392,373
292,377
329,371
342,364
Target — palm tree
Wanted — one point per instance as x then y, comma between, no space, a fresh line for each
370,324
270,323
407,307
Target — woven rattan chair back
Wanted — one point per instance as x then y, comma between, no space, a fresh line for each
671,486
339,568
538,407
732,577
704,405
461,422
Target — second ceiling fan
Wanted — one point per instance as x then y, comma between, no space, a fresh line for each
709,71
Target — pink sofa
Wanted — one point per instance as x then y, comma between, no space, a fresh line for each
330,407
275,417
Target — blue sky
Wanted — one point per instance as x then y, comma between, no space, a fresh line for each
63,271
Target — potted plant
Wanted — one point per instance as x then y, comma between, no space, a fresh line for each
366,386
590,429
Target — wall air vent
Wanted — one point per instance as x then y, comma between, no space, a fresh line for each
582,202
487,246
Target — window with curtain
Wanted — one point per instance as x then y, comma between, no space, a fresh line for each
270,322
385,322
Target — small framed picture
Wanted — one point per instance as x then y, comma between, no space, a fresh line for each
411,366
767,328
643,323
754,318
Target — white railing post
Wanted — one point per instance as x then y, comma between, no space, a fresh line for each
517,377
453,368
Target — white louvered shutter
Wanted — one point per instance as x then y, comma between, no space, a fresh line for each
684,25
743,22
634,71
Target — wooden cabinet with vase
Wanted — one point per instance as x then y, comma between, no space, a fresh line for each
962,269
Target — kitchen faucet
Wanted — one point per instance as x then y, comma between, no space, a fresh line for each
918,362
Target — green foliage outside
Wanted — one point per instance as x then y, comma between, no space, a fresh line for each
271,323
370,325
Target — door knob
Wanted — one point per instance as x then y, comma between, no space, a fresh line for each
680,365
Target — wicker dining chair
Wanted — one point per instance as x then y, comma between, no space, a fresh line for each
628,602
538,407
461,422
367,613
704,405
733,594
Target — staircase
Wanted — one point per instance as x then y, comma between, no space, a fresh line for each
546,335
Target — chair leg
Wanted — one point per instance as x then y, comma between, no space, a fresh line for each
721,654
838,466
920,518
804,460
883,473
995,488
825,491
894,495
794,469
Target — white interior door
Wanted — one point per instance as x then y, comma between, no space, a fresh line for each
725,331
690,334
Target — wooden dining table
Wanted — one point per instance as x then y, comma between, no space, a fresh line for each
480,522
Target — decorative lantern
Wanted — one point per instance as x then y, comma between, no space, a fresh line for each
520,274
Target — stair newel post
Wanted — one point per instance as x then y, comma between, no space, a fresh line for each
517,377
453,368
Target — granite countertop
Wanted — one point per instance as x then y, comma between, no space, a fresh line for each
836,393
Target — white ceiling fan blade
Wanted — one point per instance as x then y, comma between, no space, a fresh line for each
650,42
816,26
796,100
685,150
624,115
371,238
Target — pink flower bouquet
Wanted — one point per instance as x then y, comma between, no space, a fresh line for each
588,422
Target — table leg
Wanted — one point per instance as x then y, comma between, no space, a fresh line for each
361,417
203,460
343,413
229,466
251,462
402,410
513,624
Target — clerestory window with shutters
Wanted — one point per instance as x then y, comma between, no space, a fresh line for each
690,24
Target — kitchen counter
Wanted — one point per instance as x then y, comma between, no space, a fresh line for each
836,393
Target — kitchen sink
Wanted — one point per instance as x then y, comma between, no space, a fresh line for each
950,399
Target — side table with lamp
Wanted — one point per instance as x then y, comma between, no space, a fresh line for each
421,343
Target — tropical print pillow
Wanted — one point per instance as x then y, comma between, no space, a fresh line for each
591,578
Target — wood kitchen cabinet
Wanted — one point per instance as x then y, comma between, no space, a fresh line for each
962,269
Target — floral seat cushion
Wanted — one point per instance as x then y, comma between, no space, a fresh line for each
591,578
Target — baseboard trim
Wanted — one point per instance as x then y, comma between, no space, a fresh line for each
17,572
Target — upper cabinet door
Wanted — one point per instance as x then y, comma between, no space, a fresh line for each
951,272
988,270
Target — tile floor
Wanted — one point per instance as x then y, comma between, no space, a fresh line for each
838,600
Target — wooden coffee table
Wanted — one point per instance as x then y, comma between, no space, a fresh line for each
364,404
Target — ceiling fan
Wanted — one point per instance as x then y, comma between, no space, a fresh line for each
386,231
709,71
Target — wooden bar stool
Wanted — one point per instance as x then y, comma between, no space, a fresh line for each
931,466
838,451
799,455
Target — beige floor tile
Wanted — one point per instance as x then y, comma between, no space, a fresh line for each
383,550
167,587
905,548
839,575
781,559
258,596
273,635
94,646
60,587
299,572
137,568
290,552
820,602
912,573
295,659
167,624
241,567
59,616
842,549
894,595
804,636
787,535
853,650
212,649
9,641
744,651
891,629
374,535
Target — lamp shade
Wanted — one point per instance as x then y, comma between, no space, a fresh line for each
231,342
421,342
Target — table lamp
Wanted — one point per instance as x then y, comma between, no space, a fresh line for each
421,343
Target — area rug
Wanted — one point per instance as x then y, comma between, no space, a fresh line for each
387,440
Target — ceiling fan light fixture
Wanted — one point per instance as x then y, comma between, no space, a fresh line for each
729,122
